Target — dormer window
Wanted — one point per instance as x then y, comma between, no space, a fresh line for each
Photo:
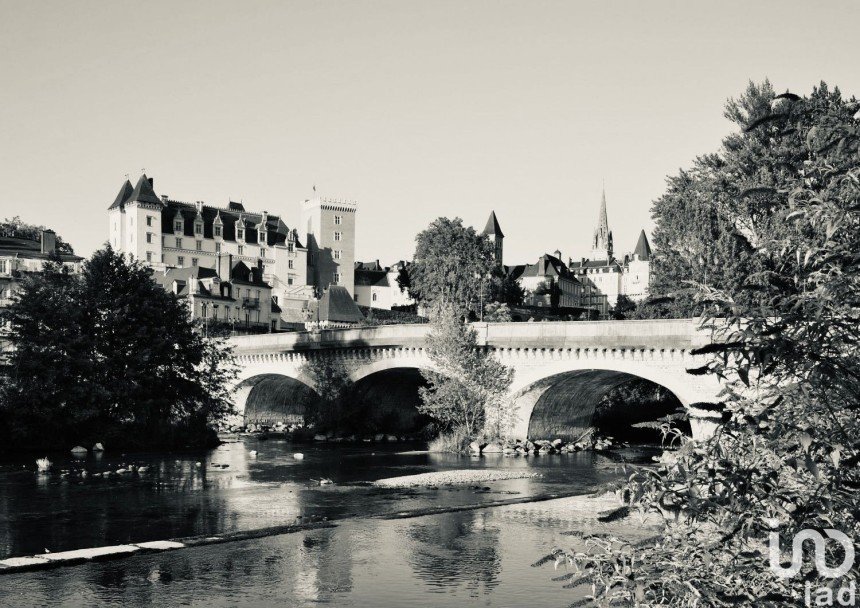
240,234
217,231
290,247
177,226
198,228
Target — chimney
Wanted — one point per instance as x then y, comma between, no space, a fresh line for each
151,181
49,241
557,254
225,267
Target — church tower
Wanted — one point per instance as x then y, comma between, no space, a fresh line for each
496,236
601,245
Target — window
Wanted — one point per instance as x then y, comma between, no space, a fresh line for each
289,280
149,220
3,266
263,252
240,234
179,243
337,253
198,227
241,250
148,237
194,261
336,279
217,247
199,245
180,261
337,220
162,258
290,264
217,230
177,226
355,297
149,256
374,297
290,247
337,236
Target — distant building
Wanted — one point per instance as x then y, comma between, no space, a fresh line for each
376,286
611,277
232,294
497,237
335,309
547,283
297,263
21,256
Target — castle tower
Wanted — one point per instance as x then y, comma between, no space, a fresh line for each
494,232
330,227
135,221
601,245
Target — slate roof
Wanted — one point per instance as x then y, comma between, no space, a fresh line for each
546,266
123,195
337,306
643,249
11,246
492,227
143,192
613,263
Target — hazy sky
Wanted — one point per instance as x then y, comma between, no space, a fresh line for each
414,109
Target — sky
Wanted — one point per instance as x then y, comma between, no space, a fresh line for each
414,109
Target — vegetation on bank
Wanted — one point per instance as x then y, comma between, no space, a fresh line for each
768,231
108,356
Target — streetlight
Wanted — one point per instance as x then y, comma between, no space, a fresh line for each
481,278
204,306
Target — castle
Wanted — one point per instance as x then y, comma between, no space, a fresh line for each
199,249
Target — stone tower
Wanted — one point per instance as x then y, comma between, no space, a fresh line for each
601,245
330,228
496,236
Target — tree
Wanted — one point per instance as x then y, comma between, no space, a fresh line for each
786,455
467,387
110,355
624,308
332,383
450,261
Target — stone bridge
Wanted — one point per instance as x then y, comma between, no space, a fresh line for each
561,369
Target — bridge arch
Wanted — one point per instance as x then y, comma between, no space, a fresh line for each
272,397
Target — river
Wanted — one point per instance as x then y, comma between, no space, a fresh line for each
477,556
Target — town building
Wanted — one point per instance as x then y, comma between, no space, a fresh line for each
230,295
376,286
336,309
609,276
298,263
22,255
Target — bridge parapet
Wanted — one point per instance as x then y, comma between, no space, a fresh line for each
677,334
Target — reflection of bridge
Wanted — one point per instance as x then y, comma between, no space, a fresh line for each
561,369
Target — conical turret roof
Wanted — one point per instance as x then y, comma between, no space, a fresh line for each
643,249
492,228
143,192
123,195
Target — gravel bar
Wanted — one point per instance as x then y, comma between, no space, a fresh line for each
441,478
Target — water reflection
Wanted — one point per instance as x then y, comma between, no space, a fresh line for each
226,490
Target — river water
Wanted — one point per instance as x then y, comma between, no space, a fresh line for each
479,556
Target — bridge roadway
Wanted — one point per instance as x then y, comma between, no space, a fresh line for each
561,369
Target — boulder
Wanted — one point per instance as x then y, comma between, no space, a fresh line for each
379,437
79,451
557,443
494,447
475,447
319,437
392,438
98,447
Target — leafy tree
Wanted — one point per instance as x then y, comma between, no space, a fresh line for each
332,382
496,312
786,455
110,356
505,290
450,260
624,308
16,227
466,390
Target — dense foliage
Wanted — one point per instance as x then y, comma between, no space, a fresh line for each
787,329
467,386
110,356
455,266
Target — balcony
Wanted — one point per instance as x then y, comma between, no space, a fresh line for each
250,303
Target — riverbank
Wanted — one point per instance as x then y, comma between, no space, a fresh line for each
462,476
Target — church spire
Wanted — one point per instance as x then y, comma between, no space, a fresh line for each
601,247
